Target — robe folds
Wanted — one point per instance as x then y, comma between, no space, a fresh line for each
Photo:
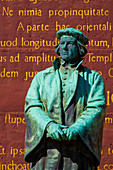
43,104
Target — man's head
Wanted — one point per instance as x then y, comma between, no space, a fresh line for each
68,48
71,44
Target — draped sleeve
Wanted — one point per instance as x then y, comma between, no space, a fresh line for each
89,124
36,121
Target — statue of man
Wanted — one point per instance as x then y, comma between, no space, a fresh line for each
65,110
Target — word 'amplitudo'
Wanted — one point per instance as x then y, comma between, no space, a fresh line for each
37,59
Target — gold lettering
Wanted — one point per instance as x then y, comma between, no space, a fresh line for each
20,26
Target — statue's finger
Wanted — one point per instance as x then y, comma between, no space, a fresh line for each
57,136
63,127
70,136
64,131
68,133
60,132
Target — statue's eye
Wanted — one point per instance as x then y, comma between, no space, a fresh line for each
71,42
62,42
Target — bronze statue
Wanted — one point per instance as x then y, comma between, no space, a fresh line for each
65,110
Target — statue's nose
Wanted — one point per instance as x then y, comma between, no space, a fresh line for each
65,46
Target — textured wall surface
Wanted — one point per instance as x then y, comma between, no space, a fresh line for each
27,43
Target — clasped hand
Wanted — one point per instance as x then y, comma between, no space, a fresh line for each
61,132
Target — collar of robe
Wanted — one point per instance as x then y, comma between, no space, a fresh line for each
58,61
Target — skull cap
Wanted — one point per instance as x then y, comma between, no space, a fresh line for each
78,35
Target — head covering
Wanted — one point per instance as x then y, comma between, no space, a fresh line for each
78,35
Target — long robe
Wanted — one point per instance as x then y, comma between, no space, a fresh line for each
44,104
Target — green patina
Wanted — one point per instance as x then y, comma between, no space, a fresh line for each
65,110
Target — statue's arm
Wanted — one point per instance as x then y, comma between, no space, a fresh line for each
39,125
93,114
89,125
36,120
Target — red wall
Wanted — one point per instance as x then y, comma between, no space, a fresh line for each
40,26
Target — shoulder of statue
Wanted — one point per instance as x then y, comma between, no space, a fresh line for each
89,71
46,71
